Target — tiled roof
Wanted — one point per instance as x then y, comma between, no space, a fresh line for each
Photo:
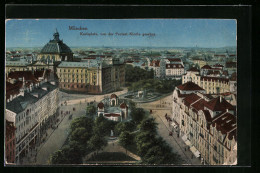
174,59
13,89
113,96
173,66
16,63
123,105
193,69
233,76
225,122
206,67
207,115
100,105
219,104
218,65
112,115
79,64
28,76
199,105
18,104
191,98
231,64
189,86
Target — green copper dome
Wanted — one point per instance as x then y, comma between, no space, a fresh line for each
56,45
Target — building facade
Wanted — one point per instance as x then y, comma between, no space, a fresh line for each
92,77
206,124
212,85
10,142
32,111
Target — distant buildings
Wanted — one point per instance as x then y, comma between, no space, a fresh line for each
213,80
207,124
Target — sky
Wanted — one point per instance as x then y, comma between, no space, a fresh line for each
209,33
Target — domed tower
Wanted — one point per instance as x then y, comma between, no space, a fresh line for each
113,100
55,51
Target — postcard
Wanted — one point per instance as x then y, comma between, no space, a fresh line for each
121,92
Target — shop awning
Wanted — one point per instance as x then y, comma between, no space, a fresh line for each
184,138
187,142
174,124
195,151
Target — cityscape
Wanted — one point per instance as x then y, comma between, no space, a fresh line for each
120,92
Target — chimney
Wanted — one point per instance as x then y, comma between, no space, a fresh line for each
226,110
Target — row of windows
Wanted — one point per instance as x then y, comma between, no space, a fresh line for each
64,70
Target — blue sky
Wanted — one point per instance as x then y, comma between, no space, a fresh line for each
168,32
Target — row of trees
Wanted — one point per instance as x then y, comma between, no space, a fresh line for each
86,135
134,74
156,85
142,133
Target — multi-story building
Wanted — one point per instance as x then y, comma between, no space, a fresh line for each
200,62
10,142
212,85
174,71
171,68
155,65
207,124
32,111
94,77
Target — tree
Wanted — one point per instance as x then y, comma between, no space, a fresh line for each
137,115
144,140
91,110
58,157
124,126
69,154
81,135
97,142
125,139
103,126
154,155
82,122
148,125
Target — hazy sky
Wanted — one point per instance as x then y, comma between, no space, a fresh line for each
168,32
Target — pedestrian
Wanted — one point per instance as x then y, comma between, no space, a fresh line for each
185,149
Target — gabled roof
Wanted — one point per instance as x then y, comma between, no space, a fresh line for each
199,105
191,98
28,76
206,67
219,104
174,59
225,122
113,96
194,69
100,105
123,105
189,86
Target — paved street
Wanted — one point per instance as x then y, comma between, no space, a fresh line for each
56,138
160,108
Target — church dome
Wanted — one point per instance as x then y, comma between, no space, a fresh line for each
56,45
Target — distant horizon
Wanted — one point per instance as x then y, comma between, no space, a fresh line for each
210,33
131,47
